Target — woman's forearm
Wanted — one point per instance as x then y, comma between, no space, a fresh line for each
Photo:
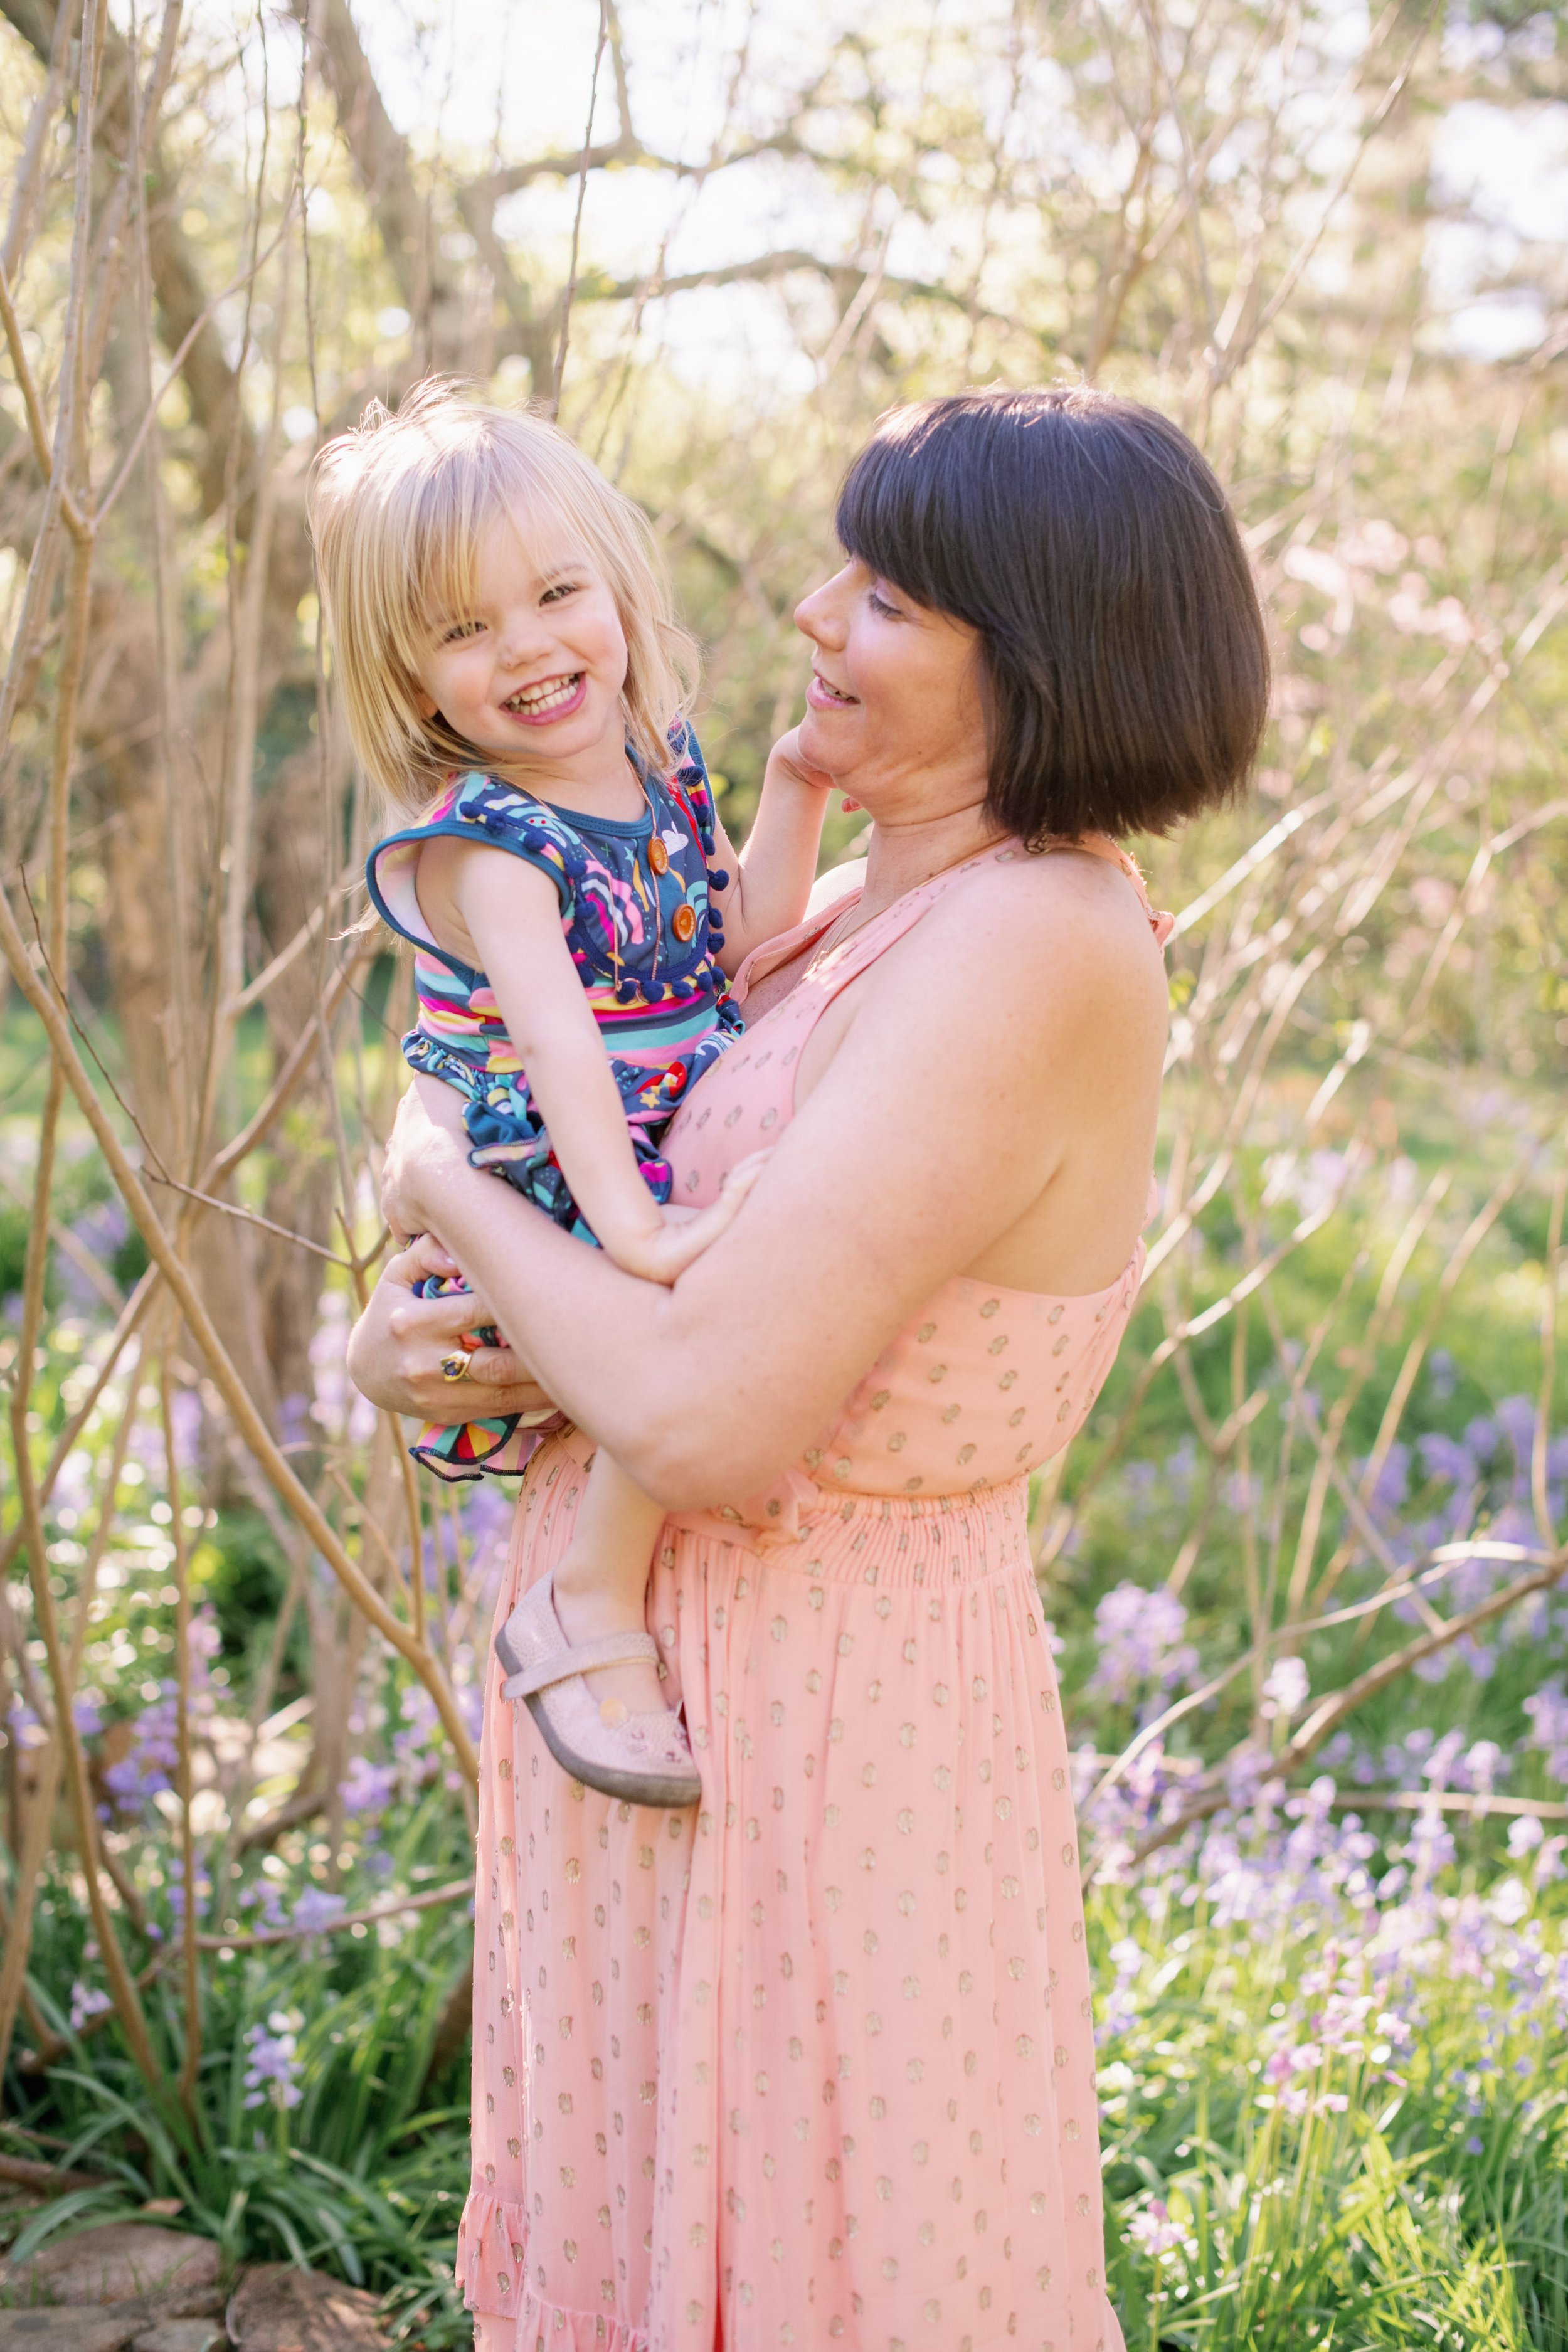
626,1359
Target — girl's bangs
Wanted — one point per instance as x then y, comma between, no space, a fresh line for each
546,492
439,571
475,490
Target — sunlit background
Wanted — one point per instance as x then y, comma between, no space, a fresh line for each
1303,1567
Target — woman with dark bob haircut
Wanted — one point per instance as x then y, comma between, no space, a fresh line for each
813,2061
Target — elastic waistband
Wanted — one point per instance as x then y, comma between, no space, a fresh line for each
885,1540
881,1540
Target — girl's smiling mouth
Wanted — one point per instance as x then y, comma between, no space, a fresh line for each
552,698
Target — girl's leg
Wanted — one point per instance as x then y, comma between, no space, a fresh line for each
601,1582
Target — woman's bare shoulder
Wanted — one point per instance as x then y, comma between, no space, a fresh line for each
836,884
1071,920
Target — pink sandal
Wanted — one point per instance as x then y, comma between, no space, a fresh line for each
645,1759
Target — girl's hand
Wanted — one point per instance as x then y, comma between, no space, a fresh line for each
395,1348
785,764
426,1137
664,1254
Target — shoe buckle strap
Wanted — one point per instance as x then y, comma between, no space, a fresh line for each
582,1658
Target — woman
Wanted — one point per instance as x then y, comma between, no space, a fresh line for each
815,2063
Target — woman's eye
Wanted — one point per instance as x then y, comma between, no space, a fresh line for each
881,605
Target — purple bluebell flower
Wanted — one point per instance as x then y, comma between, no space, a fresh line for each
1140,1637
86,2001
1153,2231
1516,1419
317,1909
271,2077
1392,1486
368,1789
1548,1711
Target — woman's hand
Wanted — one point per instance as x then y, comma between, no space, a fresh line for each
427,1138
395,1348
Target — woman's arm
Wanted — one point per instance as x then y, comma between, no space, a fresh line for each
396,1347
1026,1010
774,873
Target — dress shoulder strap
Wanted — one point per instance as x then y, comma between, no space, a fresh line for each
686,781
1100,845
845,961
847,958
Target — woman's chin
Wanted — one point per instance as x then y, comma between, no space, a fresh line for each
824,742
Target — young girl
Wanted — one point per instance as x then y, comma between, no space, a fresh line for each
512,676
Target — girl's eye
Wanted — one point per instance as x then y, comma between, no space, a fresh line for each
460,629
552,595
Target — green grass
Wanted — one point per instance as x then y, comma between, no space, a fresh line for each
1337,2120
1341,2123
364,2177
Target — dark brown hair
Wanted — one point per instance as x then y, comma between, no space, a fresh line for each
1126,663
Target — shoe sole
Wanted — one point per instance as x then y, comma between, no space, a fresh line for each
666,1792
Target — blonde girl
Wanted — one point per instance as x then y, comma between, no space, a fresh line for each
513,682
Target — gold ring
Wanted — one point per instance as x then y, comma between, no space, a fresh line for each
455,1367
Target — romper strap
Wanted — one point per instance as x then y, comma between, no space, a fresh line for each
477,808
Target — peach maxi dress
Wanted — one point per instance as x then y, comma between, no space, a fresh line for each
814,2063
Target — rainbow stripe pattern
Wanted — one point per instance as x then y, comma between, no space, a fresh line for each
637,915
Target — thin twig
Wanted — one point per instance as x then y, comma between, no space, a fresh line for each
392,1906
569,296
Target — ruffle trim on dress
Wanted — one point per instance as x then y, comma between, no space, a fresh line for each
492,2272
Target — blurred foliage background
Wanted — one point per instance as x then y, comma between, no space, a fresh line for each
1305,1566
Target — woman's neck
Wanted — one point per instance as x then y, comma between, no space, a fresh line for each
903,853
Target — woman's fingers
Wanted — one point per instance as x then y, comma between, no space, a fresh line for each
397,1346
496,1371
421,1259
429,1121
428,1328
431,1326
450,1401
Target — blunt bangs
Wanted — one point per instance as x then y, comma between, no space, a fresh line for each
1089,544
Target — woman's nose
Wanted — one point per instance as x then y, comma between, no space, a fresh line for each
817,617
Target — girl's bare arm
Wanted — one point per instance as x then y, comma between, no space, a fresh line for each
771,876
511,916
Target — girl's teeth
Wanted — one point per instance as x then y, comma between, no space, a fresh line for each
533,703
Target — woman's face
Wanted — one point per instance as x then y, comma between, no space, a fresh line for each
894,712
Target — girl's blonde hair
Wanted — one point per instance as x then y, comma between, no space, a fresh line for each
398,508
